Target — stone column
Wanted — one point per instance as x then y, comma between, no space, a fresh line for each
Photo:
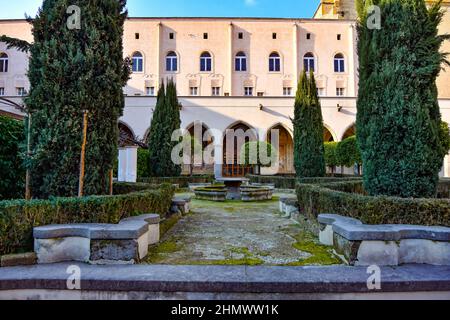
159,61
295,53
352,63
229,80
127,171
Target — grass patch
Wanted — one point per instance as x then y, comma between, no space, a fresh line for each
168,224
320,254
157,253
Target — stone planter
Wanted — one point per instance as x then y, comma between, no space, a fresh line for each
252,193
212,193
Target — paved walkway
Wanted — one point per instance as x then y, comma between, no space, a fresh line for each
237,233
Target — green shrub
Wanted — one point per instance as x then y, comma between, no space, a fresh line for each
126,187
330,155
182,181
348,199
347,153
12,172
17,218
143,160
289,182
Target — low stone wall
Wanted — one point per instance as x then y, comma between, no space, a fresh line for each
385,245
123,243
212,194
256,193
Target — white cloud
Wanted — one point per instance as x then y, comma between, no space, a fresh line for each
250,3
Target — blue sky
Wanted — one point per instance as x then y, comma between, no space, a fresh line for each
188,8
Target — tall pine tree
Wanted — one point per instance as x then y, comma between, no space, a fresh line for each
166,119
399,121
72,70
309,152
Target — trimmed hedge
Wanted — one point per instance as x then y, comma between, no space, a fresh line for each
126,187
289,182
182,181
348,199
18,217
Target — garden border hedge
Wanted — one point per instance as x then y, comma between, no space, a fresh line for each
18,217
289,182
347,199
182,181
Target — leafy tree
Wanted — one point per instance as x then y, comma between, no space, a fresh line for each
308,130
166,119
347,153
330,155
72,70
12,172
399,120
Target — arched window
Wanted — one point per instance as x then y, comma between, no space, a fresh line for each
309,62
171,62
274,62
241,62
339,63
3,62
138,62
205,62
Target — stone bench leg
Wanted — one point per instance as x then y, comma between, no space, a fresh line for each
62,250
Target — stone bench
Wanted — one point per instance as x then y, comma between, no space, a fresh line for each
289,206
182,205
385,245
123,243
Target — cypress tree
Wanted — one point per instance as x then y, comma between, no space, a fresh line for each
308,130
156,135
72,70
399,121
175,123
166,119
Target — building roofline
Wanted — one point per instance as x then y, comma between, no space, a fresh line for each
216,18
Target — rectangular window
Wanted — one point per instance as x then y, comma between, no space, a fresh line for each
339,37
248,91
321,92
274,36
171,36
287,91
3,65
241,35
21,91
137,36
308,36
340,92
205,36
193,91
150,91
215,91
260,94
2,92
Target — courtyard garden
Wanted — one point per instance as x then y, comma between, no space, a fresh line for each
240,233
60,201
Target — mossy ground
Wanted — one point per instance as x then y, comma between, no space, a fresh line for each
238,233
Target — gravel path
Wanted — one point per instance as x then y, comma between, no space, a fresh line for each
234,233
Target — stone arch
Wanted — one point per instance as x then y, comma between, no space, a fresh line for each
285,148
231,154
126,135
350,131
329,135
